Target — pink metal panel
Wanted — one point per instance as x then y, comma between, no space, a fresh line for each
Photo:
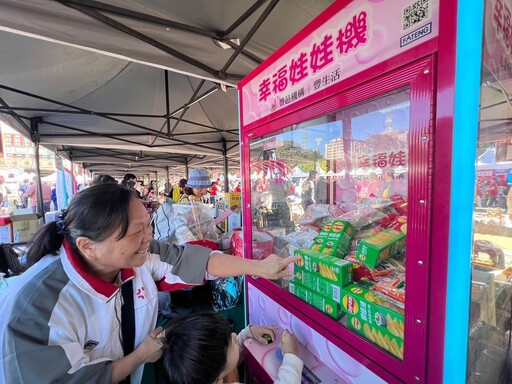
441,190
419,77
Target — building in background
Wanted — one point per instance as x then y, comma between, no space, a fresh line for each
17,155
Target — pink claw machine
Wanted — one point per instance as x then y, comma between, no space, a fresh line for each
348,145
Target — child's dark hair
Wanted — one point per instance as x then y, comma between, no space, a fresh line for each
196,348
103,179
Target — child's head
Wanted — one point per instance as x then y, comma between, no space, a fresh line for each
199,349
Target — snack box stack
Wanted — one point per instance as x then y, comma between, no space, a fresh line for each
327,306
319,278
380,246
334,239
375,319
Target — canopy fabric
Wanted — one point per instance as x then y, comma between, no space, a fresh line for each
88,78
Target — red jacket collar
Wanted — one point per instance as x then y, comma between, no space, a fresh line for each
100,286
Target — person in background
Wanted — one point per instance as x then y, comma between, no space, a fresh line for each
32,194
21,192
130,181
280,189
197,186
5,192
66,320
387,185
214,190
103,179
308,189
321,191
373,186
151,194
200,348
509,201
178,190
53,197
491,186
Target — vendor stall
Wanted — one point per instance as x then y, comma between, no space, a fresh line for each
364,103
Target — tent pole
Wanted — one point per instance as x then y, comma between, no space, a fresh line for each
34,127
167,104
186,168
226,166
73,189
156,184
167,185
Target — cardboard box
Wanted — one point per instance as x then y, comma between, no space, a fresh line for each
380,246
24,226
327,306
5,229
334,238
231,199
234,221
332,268
318,284
371,317
51,216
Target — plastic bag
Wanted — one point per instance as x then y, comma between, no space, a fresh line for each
262,244
318,214
194,221
163,221
226,292
360,215
302,239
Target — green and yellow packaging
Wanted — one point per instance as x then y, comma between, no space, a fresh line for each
334,239
380,246
318,284
331,268
327,306
374,321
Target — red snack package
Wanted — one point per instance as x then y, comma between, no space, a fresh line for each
399,204
399,224
359,270
397,294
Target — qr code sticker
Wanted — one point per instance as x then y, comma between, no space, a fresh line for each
415,13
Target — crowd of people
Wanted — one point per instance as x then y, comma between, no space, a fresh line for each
27,195
85,310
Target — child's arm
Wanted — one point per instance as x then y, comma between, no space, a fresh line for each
290,371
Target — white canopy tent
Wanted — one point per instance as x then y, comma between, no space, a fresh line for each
487,161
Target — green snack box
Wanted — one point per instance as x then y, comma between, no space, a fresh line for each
368,316
327,306
380,246
338,238
328,267
319,241
318,284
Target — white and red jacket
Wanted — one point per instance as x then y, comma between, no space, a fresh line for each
60,324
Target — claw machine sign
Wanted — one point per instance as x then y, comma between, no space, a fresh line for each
358,37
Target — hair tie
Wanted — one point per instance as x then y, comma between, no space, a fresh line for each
61,226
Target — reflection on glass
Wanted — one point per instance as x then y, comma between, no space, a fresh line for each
337,185
491,292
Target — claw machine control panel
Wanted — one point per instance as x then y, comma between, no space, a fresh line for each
337,131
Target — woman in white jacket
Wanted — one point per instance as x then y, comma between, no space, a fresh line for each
86,310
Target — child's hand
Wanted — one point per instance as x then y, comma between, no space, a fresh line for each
289,344
258,332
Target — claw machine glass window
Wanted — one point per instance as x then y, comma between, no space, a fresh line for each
334,189
491,257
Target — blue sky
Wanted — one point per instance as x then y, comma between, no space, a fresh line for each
362,126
